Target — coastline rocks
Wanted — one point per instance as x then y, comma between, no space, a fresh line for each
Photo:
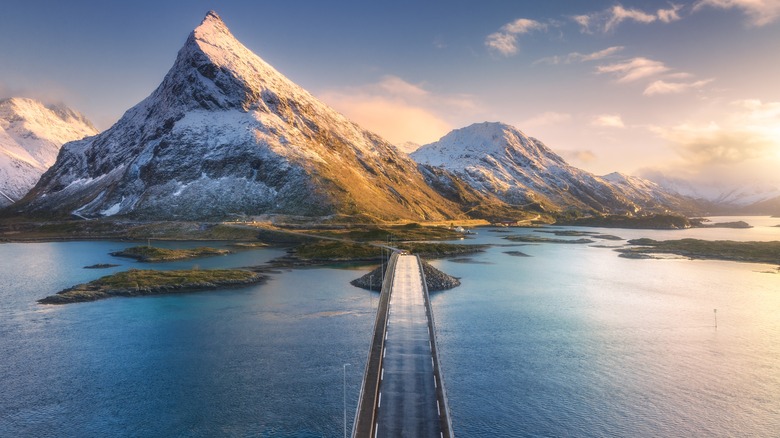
149,254
371,281
435,279
165,282
438,280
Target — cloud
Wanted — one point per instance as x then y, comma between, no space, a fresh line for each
633,69
583,156
609,121
664,87
670,82
579,57
398,110
505,40
742,147
545,119
750,132
760,12
618,14
607,21
669,15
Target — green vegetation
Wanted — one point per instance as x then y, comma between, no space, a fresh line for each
333,250
18,230
439,250
758,252
538,239
344,251
137,282
575,233
650,222
154,254
705,223
147,278
381,233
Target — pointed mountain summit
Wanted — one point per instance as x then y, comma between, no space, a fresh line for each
499,159
31,135
224,134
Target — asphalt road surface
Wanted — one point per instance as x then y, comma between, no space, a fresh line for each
407,403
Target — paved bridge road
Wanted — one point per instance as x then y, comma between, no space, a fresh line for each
403,366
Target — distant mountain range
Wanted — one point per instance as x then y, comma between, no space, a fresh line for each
225,134
31,135
725,198
521,171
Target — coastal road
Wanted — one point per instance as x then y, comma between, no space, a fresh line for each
408,403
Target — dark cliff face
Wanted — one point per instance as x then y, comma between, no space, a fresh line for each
227,134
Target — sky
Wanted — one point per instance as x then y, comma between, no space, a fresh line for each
686,89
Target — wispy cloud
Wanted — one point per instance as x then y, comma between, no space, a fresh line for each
545,119
608,20
752,131
581,156
739,148
505,40
399,110
633,69
666,87
609,121
580,57
760,12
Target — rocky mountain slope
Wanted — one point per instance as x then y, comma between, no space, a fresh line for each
223,134
31,135
498,159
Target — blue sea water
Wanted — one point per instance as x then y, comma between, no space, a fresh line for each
571,341
260,361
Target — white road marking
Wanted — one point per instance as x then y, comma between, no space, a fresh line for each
379,404
437,407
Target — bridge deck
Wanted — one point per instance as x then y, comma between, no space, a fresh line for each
407,392
409,398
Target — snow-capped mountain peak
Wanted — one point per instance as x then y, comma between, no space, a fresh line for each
31,135
499,159
225,133
481,140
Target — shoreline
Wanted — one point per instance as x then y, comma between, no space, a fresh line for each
99,289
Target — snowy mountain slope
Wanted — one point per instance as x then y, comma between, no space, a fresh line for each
225,133
648,194
499,159
408,147
31,135
723,194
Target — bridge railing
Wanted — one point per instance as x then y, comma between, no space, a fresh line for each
366,409
441,394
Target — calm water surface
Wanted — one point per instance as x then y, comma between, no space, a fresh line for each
572,341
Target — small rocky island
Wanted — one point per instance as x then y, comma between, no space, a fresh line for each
435,279
151,254
754,252
137,282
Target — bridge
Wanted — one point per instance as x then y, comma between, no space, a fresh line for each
403,393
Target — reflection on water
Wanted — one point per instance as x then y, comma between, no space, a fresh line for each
571,341
260,361
575,341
